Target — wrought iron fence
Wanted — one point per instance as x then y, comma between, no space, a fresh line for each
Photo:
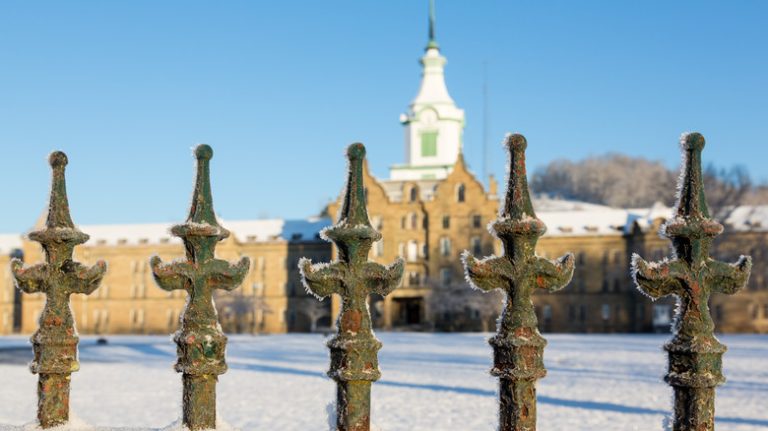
695,355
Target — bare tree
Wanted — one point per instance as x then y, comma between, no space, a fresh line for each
459,307
314,310
609,179
238,312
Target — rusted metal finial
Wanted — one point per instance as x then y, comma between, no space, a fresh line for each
695,354
518,346
55,342
200,342
354,361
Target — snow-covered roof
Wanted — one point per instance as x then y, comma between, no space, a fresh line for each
9,242
748,217
159,233
585,220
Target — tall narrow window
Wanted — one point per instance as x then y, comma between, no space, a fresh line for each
428,144
445,277
445,246
414,194
461,193
446,222
477,247
477,221
414,221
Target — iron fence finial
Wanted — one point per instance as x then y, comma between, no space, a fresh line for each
518,346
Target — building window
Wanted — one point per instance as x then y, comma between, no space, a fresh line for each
401,250
477,221
718,312
605,285
413,251
582,313
765,311
428,144
403,222
414,194
617,285
446,222
377,222
461,193
378,249
572,313
445,277
414,221
605,312
477,246
445,246
547,312
414,279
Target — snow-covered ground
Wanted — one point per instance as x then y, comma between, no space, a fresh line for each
430,382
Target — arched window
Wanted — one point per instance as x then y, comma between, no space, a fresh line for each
414,194
461,192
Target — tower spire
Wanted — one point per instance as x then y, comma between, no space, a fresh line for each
432,42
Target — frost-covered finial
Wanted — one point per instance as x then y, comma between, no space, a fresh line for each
201,343
354,359
518,346
517,203
58,209
201,210
354,211
692,202
695,354
201,221
55,342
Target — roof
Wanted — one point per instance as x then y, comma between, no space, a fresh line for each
158,233
9,242
747,217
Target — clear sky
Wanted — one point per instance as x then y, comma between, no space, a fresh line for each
280,88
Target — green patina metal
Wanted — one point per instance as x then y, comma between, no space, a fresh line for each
55,342
518,346
354,361
200,342
695,354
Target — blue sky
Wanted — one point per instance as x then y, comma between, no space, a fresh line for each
280,88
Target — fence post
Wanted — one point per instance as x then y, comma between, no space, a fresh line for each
354,362
55,342
695,354
518,346
201,344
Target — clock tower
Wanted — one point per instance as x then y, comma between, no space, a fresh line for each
434,126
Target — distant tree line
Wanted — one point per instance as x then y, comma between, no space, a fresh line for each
623,181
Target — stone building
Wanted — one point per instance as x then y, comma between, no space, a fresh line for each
270,299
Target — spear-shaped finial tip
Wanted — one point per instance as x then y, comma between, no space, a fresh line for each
692,141
356,152
58,159
516,141
203,152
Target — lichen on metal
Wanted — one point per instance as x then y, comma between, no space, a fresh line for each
200,341
55,342
518,346
695,354
354,361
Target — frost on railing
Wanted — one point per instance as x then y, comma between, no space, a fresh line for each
55,342
354,349
695,354
200,341
518,346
